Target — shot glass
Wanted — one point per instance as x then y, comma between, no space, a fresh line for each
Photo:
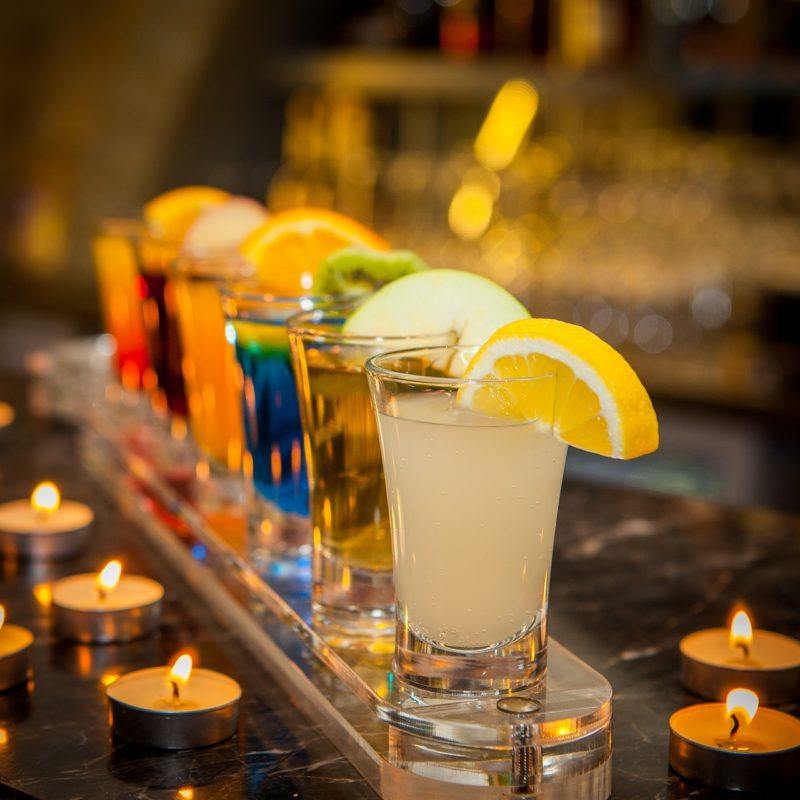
159,314
136,315
473,500
212,378
352,589
114,243
279,534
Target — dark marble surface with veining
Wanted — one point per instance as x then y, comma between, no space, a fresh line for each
633,573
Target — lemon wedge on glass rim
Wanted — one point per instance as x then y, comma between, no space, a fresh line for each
586,394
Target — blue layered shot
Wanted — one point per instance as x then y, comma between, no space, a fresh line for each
272,415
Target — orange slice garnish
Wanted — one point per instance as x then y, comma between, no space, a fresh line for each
171,214
289,247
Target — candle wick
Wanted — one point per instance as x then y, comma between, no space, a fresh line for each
735,727
745,648
176,692
102,594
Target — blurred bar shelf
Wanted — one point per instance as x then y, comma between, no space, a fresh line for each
551,741
408,74
428,75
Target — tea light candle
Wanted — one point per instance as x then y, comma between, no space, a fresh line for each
715,660
15,649
44,527
174,708
6,415
107,607
734,745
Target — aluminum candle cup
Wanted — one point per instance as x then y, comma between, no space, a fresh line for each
145,710
707,745
131,610
716,660
15,648
44,527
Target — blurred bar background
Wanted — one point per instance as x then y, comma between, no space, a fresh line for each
632,167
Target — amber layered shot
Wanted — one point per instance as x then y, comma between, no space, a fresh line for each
353,593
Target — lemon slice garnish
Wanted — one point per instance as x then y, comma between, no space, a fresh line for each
587,394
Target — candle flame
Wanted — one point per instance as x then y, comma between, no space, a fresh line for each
181,670
744,703
741,632
247,464
43,592
275,463
2,615
108,577
6,415
178,429
107,678
46,498
297,463
202,470
234,455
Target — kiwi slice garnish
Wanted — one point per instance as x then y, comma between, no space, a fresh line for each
356,270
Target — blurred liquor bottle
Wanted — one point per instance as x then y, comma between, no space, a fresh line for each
732,34
522,26
466,27
329,158
579,34
303,178
592,33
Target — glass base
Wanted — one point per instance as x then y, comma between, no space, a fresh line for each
566,772
351,603
278,543
496,670
218,495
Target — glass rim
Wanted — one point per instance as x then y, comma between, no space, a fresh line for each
121,226
235,290
298,326
375,369
153,236
220,266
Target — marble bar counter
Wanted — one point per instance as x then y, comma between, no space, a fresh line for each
633,573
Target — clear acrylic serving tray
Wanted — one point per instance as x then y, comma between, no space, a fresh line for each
551,741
